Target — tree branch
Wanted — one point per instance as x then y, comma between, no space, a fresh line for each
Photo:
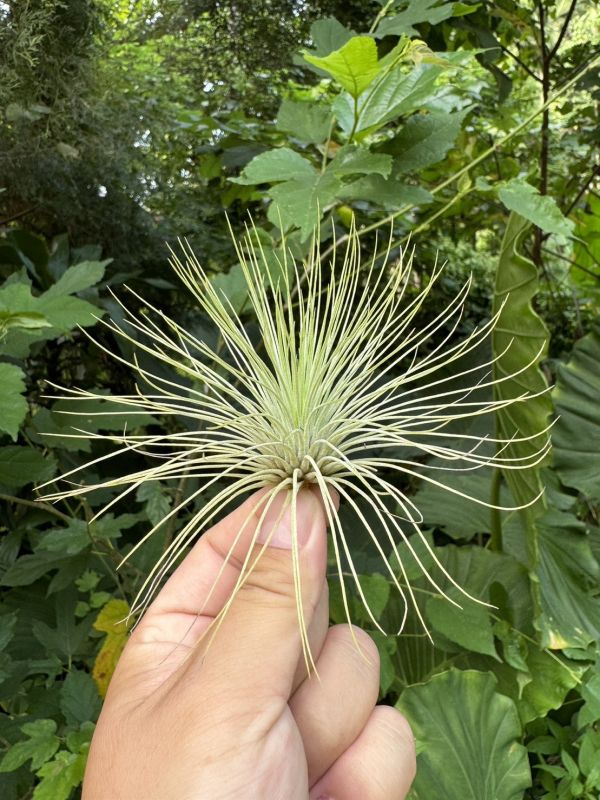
563,30
17,216
522,64
9,498
582,191
573,263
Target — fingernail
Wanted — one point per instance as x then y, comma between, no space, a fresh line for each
276,527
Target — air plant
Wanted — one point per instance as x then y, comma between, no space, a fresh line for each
336,386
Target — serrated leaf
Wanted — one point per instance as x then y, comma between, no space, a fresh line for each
60,776
300,203
308,122
281,164
351,160
79,741
40,746
425,140
27,569
66,541
523,198
20,466
576,434
388,193
110,621
354,66
328,35
79,698
111,618
419,11
13,406
81,276
469,738
157,502
396,94
62,312
65,639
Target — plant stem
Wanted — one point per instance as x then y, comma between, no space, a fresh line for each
9,498
572,262
495,517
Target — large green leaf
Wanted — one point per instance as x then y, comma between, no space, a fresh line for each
397,93
79,277
40,746
425,140
63,312
523,198
60,776
352,160
281,164
13,406
300,203
22,465
354,66
388,193
328,35
519,342
576,434
489,578
537,680
444,509
419,11
308,122
79,698
468,736
565,575
469,626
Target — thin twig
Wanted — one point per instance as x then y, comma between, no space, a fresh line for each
9,498
572,262
563,30
582,191
521,63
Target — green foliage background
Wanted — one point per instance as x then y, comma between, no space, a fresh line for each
471,126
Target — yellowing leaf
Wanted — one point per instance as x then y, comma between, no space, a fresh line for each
110,620
106,660
354,66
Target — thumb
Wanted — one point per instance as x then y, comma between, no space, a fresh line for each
258,642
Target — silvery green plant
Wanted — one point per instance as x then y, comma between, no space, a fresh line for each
335,388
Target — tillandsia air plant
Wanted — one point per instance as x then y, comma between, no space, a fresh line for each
320,400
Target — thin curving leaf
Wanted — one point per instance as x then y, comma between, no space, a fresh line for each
519,342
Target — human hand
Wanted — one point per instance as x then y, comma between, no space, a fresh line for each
240,718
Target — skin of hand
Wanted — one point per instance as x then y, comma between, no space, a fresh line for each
188,717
